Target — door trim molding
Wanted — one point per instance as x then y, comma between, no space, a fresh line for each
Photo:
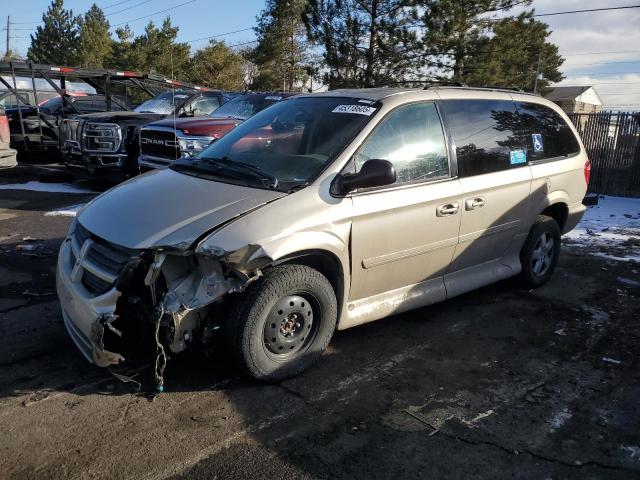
467,237
373,262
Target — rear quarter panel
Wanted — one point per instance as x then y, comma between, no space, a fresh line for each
559,180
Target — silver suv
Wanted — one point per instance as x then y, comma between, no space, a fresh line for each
323,211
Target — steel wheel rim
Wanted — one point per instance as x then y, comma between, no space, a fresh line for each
542,254
291,326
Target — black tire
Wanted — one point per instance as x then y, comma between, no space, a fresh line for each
537,269
246,330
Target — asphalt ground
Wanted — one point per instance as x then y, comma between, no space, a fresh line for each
502,382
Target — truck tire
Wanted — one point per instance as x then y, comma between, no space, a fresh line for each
539,255
280,325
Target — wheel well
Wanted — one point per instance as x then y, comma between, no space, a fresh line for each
559,212
326,263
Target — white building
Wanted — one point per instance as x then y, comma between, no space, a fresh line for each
578,99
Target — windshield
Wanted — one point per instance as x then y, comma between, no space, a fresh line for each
245,106
284,146
163,103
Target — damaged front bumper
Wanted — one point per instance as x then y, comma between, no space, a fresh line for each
170,292
83,313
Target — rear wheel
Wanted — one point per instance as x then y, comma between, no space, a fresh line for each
539,255
282,323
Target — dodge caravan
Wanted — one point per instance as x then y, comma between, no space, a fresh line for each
322,212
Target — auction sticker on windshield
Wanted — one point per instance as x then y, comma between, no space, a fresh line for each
359,109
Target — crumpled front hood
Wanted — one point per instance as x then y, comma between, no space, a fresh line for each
164,208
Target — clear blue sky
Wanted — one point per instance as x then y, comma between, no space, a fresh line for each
196,19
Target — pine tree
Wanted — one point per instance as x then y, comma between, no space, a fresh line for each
456,29
365,42
510,57
56,42
156,51
122,51
95,44
282,55
218,66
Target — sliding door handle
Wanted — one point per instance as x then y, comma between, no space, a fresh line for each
473,203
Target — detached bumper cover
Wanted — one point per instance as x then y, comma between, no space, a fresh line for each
83,313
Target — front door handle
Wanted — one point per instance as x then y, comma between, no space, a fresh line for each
473,203
447,209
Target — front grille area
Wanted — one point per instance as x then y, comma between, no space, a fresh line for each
95,284
102,261
159,143
101,137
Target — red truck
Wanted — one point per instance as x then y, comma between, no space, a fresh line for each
165,141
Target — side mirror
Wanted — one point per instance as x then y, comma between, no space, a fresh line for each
374,173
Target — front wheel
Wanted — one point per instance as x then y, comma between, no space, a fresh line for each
282,323
539,255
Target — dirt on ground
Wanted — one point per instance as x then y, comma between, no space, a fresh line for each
503,382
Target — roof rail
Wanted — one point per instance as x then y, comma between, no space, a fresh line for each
501,88
426,83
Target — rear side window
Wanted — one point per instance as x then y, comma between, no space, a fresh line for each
545,133
485,135
411,138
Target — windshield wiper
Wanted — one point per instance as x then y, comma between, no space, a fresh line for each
233,164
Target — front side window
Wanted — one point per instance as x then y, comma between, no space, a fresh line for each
411,138
284,146
485,133
545,132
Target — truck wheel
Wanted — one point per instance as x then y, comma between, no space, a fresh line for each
280,325
539,255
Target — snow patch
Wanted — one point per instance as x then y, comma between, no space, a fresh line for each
611,360
610,229
36,186
560,419
628,281
632,450
598,317
71,211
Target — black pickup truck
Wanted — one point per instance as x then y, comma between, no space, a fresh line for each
35,130
108,142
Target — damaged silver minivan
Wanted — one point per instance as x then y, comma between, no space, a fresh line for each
323,211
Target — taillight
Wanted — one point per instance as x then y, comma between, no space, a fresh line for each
587,171
4,129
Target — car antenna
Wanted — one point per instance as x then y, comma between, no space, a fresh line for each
173,99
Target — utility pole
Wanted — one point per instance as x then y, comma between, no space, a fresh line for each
8,35
535,83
